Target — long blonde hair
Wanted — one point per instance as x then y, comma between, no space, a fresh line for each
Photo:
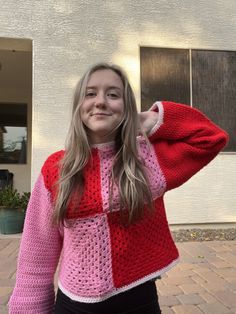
127,171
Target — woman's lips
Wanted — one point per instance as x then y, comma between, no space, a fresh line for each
100,114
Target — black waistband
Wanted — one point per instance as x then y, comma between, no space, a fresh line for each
122,303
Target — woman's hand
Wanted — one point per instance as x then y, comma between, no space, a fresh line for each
147,120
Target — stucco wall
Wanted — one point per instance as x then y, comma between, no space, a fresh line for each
69,35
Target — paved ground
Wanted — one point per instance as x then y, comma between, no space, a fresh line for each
203,282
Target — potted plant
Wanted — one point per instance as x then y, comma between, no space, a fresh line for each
12,210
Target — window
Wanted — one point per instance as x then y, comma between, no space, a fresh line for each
13,133
205,79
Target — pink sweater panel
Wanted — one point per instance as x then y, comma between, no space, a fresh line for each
37,261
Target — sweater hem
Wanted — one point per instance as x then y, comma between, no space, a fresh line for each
116,291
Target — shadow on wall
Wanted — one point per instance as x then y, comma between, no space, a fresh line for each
89,30
85,31
114,31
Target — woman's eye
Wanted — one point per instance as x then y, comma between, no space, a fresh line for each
90,94
113,95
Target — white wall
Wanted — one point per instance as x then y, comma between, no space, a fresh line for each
69,35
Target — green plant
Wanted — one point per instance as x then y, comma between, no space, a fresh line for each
24,200
10,198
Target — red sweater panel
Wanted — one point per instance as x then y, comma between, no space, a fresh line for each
185,141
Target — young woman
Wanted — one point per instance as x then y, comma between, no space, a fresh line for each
98,205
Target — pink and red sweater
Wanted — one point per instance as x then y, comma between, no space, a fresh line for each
99,257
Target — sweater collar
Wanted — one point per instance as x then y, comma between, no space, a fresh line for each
104,146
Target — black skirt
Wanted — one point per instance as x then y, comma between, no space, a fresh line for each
139,300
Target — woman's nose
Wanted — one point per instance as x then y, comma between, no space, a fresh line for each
101,99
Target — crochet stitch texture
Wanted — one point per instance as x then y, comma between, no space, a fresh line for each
99,256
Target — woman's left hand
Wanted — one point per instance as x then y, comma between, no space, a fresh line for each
147,120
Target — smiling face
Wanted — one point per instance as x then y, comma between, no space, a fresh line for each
102,109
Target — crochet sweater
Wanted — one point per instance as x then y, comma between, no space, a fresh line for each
99,256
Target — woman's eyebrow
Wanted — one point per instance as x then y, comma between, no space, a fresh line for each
91,87
108,87
114,87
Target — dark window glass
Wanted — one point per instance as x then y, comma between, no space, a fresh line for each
165,75
214,88
211,87
13,133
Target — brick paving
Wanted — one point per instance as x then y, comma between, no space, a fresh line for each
203,282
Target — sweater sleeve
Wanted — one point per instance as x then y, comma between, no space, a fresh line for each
185,141
38,257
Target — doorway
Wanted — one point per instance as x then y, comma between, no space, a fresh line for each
16,110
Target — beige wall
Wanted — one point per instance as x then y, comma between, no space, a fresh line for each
69,35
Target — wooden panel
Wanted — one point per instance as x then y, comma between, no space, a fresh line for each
165,75
214,88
